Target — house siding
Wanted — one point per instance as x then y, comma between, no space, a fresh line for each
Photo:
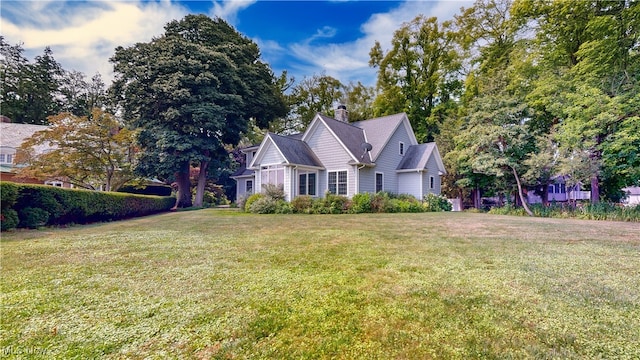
410,183
333,156
431,170
271,157
367,178
388,160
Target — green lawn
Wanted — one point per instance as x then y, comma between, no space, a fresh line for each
224,284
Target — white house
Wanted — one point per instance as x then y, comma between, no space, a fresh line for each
559,191
343,158
632,196
12,135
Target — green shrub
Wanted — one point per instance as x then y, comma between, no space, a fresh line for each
8,194
336,204
263,205
302,204
9,219
155,189
600,211
33,217
380,202
275,192
433,202
283,207
250,200
361,203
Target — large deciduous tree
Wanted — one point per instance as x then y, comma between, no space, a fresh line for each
91,152
415,75
192,91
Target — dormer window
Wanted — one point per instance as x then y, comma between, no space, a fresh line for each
401,148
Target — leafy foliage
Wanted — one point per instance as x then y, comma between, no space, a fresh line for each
192,91
88,151
40,205
433,202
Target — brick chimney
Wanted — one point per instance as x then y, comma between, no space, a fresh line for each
342,114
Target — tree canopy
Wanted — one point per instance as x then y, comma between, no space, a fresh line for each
191,91
92,152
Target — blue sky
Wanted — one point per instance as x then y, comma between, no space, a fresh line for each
305,38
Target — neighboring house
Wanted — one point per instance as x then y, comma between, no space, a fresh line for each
632,197
11,137
343,158
558,191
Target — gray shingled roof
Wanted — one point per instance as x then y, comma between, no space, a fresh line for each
295,151
350,135
243,171
416,157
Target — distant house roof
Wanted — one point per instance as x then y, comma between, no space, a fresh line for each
13,135
417,156
295,151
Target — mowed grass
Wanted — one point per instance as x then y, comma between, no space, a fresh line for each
213,284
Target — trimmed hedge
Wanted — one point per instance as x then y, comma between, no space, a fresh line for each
31,206
154,189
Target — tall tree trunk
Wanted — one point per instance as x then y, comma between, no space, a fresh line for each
595,189
183,198
475,194
202,182
545,194
524,203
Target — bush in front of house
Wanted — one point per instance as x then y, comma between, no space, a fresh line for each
250,200
271,201
433,202
32,206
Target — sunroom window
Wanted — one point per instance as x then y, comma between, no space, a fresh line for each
272,174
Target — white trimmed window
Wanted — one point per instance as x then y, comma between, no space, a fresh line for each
272,174
338,182
307,183
379,182
6,158
249,187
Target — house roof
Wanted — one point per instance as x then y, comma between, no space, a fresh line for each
632,190
242,172
294,151
417,156
378,131
13,135
349,135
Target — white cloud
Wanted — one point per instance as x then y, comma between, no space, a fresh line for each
228,9
83,36
350,61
